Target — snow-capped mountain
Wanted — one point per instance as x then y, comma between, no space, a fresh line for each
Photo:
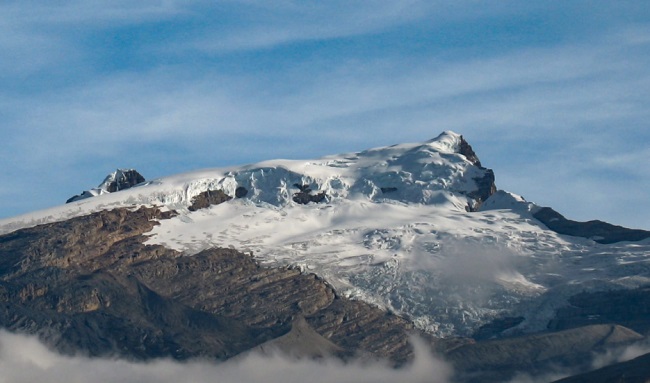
120,179
418,229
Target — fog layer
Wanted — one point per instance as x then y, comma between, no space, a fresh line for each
25,359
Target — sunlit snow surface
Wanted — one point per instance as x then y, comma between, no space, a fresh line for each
450,271
414,250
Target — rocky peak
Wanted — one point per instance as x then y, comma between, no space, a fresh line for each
444,170
120,179
453,142
466,149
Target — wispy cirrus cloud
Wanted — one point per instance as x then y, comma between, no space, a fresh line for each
260,25
92,14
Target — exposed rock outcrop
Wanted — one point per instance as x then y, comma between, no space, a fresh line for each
486,187
90,284
207,198
466,150
122,179
485,184
305,195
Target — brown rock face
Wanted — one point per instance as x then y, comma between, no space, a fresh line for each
207,198
486,185
468,152
305,195
79,243
89,284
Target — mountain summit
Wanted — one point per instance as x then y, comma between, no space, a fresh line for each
442,170
357,248
120,179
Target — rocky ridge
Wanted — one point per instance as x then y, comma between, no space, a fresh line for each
409,173
89,285
121,179
599,231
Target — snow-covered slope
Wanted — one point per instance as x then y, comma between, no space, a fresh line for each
395,228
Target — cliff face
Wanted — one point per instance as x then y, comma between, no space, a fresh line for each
90,285
485,183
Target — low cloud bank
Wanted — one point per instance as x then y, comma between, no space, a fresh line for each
619,355
550,376
25,359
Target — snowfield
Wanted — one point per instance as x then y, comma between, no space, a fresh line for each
394,230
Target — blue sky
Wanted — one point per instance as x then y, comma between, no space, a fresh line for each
553,95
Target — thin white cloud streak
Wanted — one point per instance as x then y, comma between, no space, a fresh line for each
234,25
93,14
529,95
637,35
28,52
290,22
514,96
24,359
350,91
39,38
